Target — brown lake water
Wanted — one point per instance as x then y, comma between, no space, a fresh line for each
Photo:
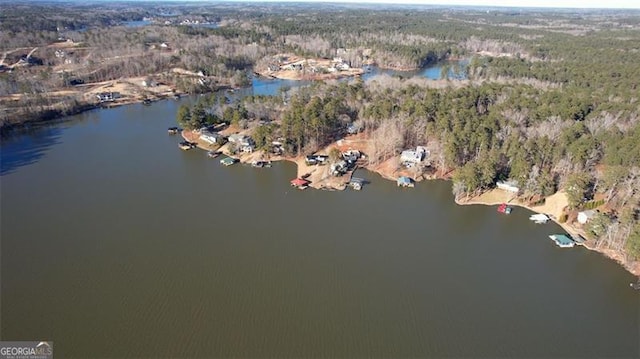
114,243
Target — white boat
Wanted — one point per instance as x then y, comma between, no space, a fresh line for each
539,218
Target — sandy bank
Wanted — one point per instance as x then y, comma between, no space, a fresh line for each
554,206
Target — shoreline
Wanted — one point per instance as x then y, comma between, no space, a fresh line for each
387,170
631,267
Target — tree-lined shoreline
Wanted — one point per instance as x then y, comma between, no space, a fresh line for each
551,99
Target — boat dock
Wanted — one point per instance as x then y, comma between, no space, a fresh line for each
300,183
186,145
404,181
504,208
228,161
539,218
356,183
563,241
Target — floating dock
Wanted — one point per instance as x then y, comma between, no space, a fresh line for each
228,161
563,241
186,145
404,182
300,183
356,183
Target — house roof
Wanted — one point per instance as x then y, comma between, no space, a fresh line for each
299,182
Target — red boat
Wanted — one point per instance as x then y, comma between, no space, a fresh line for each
503,208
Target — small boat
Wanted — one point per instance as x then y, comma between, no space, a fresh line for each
146,102
173,130
503,208
635,286
213,154
539,218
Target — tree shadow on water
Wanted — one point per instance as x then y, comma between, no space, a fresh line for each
26,146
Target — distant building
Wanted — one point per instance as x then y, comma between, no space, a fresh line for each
585,216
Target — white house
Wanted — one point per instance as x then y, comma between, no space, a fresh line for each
509,186
211,137
414,156
244,142
585,216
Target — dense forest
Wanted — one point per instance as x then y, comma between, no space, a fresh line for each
550,99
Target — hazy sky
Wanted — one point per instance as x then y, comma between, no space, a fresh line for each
628,4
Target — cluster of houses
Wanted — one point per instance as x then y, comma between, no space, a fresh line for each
337,64
243,143
347,163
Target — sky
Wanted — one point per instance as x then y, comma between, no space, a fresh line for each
581,4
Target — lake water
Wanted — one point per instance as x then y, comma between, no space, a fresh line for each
114,243
268,86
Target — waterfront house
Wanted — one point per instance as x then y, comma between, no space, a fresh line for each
248,148
413,156
107,96
322,159
585,216
211,137
351,156
509,186
339,168
239,139
311,160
